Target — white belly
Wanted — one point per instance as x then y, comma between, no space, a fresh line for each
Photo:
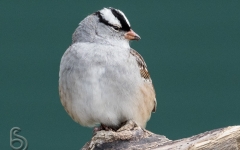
99,85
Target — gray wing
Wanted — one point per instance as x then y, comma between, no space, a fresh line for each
143,71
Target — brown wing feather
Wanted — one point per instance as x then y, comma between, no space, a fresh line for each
142,65
143,71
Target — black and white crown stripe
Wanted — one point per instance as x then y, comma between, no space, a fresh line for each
113,17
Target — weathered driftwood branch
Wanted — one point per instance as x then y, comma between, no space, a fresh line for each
138,139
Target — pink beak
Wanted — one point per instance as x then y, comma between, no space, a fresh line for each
131,35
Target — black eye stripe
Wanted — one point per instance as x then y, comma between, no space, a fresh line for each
116,28
119,16
122,19
101,19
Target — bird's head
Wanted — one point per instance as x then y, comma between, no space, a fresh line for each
108,24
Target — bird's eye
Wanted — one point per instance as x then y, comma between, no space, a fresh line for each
116,28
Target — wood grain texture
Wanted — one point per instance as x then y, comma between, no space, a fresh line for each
139,139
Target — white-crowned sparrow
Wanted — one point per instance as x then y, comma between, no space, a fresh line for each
103,80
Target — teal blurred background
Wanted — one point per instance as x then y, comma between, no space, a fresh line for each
192,49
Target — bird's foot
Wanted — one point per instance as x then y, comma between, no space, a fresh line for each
102,127
96,129
106,128
125,126
128,125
